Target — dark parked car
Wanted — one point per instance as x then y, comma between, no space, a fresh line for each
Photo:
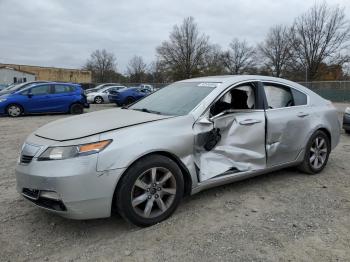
346,120
128,96
44,98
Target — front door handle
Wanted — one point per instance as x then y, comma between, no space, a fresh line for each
302,114
249,122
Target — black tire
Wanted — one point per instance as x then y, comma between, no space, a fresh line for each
14,110
307,166
76,109
347,131
129,100
124,195
98,100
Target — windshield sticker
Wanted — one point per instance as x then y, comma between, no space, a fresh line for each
208,84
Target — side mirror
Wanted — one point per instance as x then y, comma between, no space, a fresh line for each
205,121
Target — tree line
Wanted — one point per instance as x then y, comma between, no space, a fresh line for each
316,46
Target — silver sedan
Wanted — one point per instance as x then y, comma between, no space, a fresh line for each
187,137
101,96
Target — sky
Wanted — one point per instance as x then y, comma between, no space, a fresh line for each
63,33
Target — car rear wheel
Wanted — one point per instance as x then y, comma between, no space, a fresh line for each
76,109
98,100
317,153
129,100
14,110
150,190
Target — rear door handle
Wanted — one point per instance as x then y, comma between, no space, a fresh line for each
302,114
249,122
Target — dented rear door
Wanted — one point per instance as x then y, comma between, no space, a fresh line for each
287,128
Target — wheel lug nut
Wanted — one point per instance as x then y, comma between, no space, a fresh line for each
148,189
156,196
149,197
154,184
159,189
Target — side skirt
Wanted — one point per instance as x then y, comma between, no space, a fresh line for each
233,177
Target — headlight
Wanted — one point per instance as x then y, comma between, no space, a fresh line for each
2,100
347,110
65,152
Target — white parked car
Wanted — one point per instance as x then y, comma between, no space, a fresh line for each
101,96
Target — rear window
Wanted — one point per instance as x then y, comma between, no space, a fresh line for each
60,89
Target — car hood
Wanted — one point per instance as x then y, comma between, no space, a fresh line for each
94,123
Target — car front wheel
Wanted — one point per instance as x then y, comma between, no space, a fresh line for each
316,154
150,190
14,110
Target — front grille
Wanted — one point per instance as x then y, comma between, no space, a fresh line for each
26,159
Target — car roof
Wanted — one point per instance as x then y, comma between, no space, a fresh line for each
227,80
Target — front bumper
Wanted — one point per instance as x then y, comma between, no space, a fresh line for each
346,121
2,108
83,192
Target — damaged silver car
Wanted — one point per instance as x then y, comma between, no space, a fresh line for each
187,137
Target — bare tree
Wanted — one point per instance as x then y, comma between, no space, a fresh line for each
319,36
137,69
157,73
102,64
276,49
239,58
183,53
213,64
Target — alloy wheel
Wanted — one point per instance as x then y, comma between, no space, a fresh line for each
14,110
153,192
318,152
98,100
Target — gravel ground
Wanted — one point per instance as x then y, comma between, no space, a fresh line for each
281,216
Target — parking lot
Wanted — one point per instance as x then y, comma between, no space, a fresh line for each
281,216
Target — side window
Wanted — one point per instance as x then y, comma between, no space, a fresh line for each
278,96
299,98
238,98
25,92
40,90
61,89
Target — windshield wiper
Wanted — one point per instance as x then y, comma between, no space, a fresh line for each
147,111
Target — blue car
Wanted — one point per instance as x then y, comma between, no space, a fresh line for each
128,96
44,98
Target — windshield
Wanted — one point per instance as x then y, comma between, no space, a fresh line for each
13,88
175,99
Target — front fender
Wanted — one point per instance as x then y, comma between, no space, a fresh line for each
173,135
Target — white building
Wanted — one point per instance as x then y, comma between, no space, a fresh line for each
9,76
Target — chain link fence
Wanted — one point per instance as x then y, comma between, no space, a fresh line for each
336,91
